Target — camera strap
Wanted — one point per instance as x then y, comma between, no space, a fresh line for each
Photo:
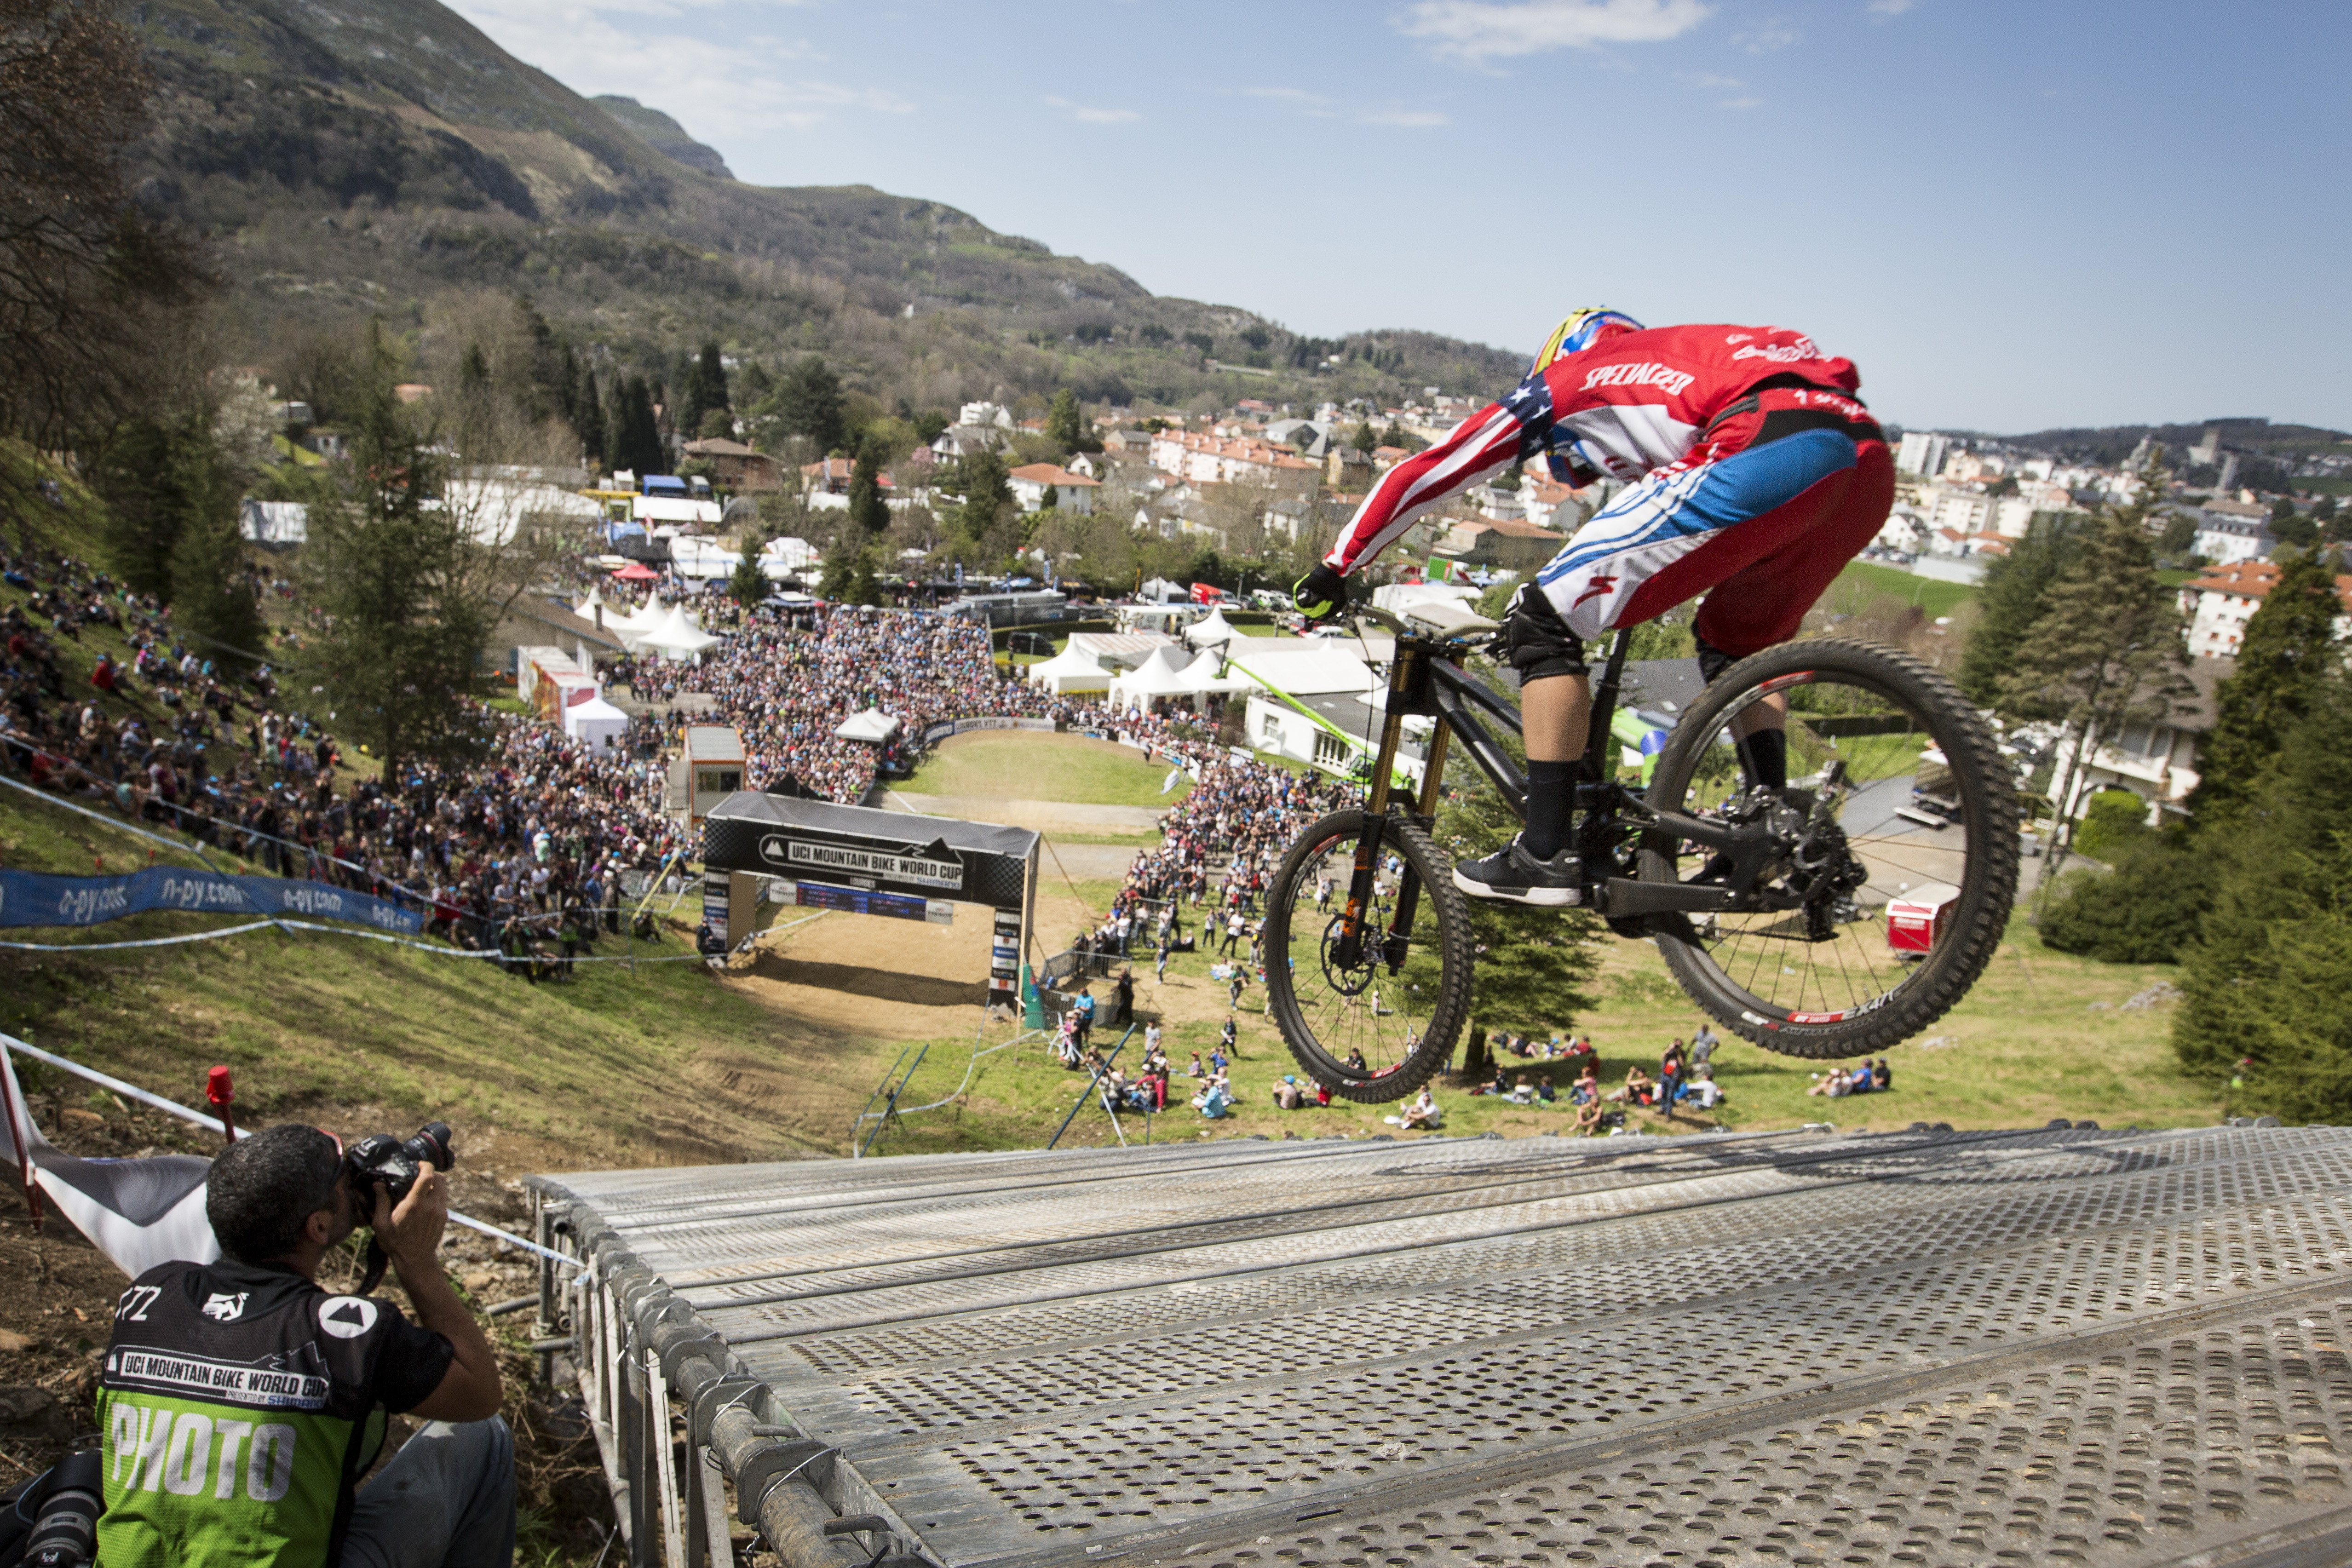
377,1262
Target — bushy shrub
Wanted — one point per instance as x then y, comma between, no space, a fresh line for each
2114,818
2143,911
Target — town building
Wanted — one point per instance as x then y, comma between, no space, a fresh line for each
1031,481
1214,460
2229,532
1922,452
1498,544
2219,602
735,466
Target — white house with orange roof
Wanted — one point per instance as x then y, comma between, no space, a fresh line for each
2219,602
1030,481
1213,460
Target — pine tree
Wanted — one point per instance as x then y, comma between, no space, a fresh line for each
868,513
705,390
987,494
1535,968
747,584
212,598
2266,980
636,439
808,402
2105,651
1063,427
567,387
2288,653
2010,600
588,421
151,475
403,587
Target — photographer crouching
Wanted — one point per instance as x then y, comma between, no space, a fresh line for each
241,1401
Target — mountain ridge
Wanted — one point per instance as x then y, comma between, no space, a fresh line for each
351,158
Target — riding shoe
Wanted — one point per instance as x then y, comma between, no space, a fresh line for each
1513,875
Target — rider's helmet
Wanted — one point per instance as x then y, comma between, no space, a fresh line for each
1579,331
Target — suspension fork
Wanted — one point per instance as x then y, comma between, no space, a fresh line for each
1408,682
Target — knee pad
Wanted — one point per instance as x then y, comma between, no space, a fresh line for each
1536,640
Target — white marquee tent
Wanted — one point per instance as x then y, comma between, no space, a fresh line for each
1071,670
1170,673
597,724
674,636
873,725
1210,631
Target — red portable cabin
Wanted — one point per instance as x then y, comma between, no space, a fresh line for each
1915,921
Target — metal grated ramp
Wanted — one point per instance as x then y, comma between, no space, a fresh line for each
2067,1345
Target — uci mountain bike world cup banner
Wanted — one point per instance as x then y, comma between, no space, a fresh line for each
36,898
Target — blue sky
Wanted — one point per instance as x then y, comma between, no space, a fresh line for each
2011,215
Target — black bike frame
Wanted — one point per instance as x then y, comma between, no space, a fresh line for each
1426,680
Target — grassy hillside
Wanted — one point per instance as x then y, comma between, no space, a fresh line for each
359,157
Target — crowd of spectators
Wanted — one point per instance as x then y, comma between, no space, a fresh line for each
521,850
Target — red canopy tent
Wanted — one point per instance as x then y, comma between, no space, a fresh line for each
636,571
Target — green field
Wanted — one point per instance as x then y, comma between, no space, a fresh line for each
1022,765
2042,1036
1934,596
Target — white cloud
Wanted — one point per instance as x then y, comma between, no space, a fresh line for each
1741,103
766,80
1889,7
1286,95
1412,118
1477,31
1762,40
1708,79
1085,116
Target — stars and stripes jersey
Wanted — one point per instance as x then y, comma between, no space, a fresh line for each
1629,405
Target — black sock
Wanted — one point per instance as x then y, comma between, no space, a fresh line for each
1551,801
1766,752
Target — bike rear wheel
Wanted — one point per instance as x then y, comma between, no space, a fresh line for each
1369,999
1911,828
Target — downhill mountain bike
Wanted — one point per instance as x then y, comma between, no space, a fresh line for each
1841,914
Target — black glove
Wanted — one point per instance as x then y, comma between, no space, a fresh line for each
1320,592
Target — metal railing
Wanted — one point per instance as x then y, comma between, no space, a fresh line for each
679,1423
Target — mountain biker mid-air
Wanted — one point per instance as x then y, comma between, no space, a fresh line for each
1753,474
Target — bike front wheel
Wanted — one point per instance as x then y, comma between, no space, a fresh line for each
1900,871
1367,976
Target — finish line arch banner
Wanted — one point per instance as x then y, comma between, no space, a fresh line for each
865,861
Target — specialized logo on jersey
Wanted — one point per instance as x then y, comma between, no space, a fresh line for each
1779,353
224,1308
1643,375
347,1317
1595,588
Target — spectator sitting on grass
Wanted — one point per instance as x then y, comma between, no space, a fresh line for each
1882,1077
1833,1084
1422,1114
1545,1093
1287,1096
1588,1119
1636,1090
1705,1092
1586,1089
